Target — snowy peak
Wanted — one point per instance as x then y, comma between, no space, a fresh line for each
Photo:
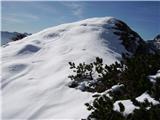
84,37
129,38
35,69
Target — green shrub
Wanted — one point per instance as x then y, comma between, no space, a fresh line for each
132,72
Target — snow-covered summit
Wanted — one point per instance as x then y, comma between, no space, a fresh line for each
35,69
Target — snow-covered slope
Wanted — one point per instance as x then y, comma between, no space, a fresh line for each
35,69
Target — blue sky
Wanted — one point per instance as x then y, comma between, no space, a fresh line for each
143,17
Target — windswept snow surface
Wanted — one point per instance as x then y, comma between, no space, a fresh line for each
35,69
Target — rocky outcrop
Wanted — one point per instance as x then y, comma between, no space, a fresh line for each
130,39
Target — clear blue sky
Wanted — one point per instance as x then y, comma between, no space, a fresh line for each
31,17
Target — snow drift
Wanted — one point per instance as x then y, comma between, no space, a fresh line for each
34,70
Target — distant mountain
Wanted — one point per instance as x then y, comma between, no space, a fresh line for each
6,36
155,43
